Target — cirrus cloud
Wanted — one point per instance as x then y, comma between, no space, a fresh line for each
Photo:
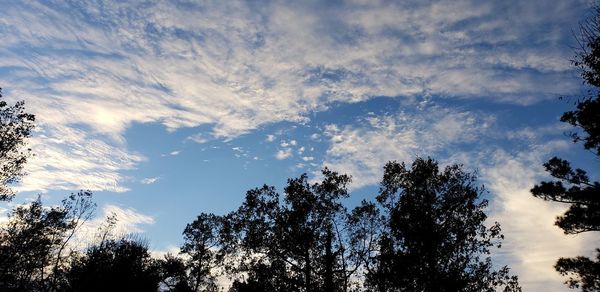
98,67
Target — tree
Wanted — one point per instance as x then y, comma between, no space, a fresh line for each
35,241
260,278
433,236
174,274
587,271
201,248
15,128
298,243
573,186
27,243
115,265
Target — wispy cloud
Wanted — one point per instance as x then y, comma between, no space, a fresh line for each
127,221
149,180
106,65
69,159
362,151
198,138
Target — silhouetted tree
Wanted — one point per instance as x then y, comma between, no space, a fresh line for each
34,251
434,237
174,276
573,186
201,247
260,278
587,271
15,127
299,243
115,265
365,228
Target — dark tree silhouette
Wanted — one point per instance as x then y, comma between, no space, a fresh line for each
115,265
15,128
300,242
174,274
365,228
34,251
260,278
573,186
201,248
587,271
434,237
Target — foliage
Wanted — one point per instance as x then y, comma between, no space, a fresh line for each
434,237
260,278
573,186
34,251
174,275
583,272
115,265
201,242
299,242
581,194
15,127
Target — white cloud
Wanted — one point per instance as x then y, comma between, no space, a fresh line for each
128,221
161,253
308,158
174,153
70,159
149,180
270,138
283,154
363,151
533,243
105,66
198,138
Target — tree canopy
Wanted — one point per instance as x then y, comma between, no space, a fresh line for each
572,186
295,242
34,250
434,236
426,232
15,128
115,265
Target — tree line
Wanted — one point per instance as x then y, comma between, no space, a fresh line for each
425,230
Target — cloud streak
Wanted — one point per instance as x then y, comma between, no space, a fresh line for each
533,243
69,159
127,221
237,65
362,151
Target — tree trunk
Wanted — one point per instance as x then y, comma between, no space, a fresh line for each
307,270
329,262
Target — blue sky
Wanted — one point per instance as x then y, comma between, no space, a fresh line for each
171,108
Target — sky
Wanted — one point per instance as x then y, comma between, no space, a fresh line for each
166,109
